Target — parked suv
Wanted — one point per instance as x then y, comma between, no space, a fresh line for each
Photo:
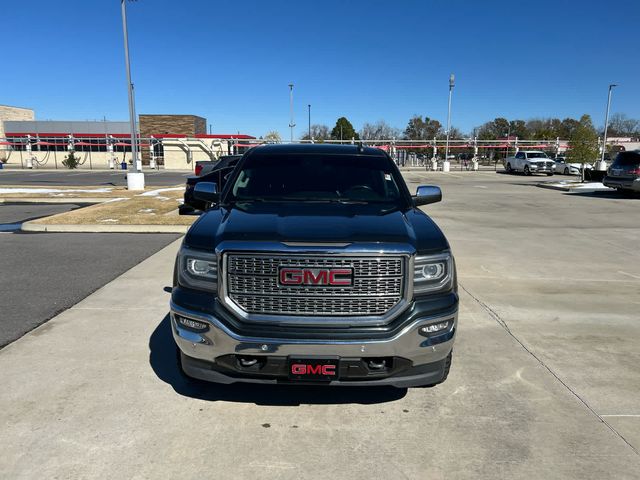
315,265
624,172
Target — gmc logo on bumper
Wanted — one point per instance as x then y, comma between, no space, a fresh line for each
305,369
336,277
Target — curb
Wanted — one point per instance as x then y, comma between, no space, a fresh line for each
52,200
60,228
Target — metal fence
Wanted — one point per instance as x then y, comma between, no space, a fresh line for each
38,151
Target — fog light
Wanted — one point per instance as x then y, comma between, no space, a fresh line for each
434,328
192,324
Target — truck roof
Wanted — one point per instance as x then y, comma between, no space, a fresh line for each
317,148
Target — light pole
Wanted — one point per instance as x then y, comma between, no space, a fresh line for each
309,107
291,124
602,165
135,179
445,164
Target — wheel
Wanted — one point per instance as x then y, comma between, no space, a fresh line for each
566,171
526,170
550,174
508,168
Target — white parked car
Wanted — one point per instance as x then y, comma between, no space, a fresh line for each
561,166
529,162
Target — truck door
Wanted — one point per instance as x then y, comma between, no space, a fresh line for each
520,160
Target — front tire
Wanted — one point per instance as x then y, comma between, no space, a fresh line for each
508,168
567,172
527,171
550,174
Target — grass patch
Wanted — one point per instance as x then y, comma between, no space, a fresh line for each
135,209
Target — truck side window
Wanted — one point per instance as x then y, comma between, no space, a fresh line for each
520,155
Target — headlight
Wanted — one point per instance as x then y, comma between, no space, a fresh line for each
198,269
432,273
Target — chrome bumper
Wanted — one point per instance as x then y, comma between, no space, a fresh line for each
220,340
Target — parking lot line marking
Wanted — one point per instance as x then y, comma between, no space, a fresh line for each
629,274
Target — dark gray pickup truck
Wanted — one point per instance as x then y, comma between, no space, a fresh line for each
314,265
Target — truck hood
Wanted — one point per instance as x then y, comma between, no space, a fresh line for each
308,222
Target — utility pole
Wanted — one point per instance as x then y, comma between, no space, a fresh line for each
602,165
446,150
309,106
135,179
291,124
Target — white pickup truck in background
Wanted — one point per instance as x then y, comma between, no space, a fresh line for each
529,162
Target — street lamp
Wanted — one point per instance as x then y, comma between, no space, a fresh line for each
602,165
445,164
135,179
309,107
291,124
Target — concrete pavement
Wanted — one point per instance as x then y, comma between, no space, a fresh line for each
545,355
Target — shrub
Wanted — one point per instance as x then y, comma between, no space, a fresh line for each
71,161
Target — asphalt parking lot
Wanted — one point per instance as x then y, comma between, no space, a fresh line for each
45,274
544,382
88,177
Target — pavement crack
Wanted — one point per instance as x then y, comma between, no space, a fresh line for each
504,325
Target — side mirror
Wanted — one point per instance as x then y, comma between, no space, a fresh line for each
426,194
206,192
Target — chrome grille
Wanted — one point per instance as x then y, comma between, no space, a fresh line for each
364,267
252,285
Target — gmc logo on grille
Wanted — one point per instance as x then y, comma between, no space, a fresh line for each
336,277
303,369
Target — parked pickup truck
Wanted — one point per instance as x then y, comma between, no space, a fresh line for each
315,265
529,162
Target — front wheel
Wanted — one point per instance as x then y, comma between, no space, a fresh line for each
566,171
508,168
550,174
526,170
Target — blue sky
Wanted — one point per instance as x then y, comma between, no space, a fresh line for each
367,60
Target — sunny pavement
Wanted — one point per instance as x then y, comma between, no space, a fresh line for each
95,392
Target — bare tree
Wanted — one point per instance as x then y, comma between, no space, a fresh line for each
319,133
622,126
380,130
272,136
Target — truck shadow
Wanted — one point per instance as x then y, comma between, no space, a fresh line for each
162,358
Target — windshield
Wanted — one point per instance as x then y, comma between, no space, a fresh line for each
537,155
316,177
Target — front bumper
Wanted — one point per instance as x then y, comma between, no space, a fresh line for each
539,169
626,183
416,359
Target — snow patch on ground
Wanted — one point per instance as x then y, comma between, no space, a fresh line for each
54,190
109,220
147,210
118,199
573,185
155,193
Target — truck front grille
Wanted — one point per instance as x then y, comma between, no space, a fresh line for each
252,284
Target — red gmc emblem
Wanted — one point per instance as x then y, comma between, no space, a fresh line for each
336,277
305,369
